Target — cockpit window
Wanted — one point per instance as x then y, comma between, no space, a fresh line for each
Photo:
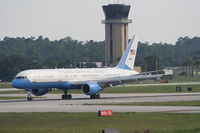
21,77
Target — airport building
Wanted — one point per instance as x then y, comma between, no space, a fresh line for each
116,31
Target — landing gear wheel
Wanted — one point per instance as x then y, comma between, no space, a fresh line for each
91,96
63,96
96,96
29,99
67,96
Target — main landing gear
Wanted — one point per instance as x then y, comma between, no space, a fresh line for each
96,96
29,97
66,95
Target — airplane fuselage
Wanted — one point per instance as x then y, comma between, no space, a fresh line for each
63,78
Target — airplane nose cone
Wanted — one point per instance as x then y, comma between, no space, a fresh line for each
15,83
19,83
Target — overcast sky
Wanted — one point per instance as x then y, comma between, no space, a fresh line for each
153,20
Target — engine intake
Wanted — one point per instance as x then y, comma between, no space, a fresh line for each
91,88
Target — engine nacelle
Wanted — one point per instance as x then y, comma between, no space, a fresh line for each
39,92
91,88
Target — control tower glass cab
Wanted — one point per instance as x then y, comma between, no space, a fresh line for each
116,31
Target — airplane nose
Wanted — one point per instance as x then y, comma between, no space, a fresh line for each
19,83
15,83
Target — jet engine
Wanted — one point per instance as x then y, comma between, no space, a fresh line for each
39,92
91,88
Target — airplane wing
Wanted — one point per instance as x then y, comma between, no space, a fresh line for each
108,82
138,77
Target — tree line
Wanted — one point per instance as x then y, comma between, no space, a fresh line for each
17,54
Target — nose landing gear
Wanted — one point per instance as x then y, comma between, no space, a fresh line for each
29,97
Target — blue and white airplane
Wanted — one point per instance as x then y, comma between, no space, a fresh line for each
90,80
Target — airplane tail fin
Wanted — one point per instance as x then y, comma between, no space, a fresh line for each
128,59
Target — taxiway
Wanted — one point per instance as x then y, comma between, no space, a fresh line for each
82,103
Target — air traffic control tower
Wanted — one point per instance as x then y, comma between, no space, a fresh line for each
116,31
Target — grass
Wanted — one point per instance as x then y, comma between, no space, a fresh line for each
90,123
124,89
5,85
179,103
184,79
13,92
150,89
10,98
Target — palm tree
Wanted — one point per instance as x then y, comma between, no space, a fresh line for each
197,64
188,64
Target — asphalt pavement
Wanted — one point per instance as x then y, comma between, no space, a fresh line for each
82,103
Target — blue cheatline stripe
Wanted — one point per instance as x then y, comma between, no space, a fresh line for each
26,84
122,64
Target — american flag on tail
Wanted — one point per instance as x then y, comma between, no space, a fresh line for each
132,52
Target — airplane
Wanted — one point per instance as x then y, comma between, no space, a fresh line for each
90,80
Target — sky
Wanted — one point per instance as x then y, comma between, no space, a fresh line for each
153,20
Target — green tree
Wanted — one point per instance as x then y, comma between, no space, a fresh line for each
152,63
90,65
